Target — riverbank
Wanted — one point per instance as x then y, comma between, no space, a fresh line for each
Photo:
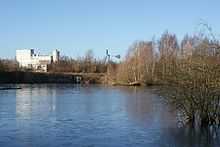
20,77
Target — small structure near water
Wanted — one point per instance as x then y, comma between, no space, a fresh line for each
27,58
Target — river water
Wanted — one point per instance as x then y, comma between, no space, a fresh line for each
92,116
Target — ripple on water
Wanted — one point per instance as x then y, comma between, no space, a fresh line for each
66,115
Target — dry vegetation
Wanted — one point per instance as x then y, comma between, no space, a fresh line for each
8,65
86,64
189,72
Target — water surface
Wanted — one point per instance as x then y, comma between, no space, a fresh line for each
92,116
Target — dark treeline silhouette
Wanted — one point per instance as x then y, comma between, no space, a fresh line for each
189,71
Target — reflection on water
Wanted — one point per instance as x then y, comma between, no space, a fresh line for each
35,101
71,115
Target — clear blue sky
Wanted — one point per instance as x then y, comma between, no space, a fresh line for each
73,26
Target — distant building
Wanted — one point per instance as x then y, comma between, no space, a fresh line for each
28,59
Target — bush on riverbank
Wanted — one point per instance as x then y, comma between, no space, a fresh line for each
194,90
190,71
8,65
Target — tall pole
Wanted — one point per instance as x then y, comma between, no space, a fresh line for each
108,57
108,60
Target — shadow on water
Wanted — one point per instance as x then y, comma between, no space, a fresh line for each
153,111
191,137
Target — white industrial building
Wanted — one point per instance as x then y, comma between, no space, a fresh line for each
27,58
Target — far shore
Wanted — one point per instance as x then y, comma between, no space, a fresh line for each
21,77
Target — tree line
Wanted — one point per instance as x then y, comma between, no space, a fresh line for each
188,70
8,65
84,64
